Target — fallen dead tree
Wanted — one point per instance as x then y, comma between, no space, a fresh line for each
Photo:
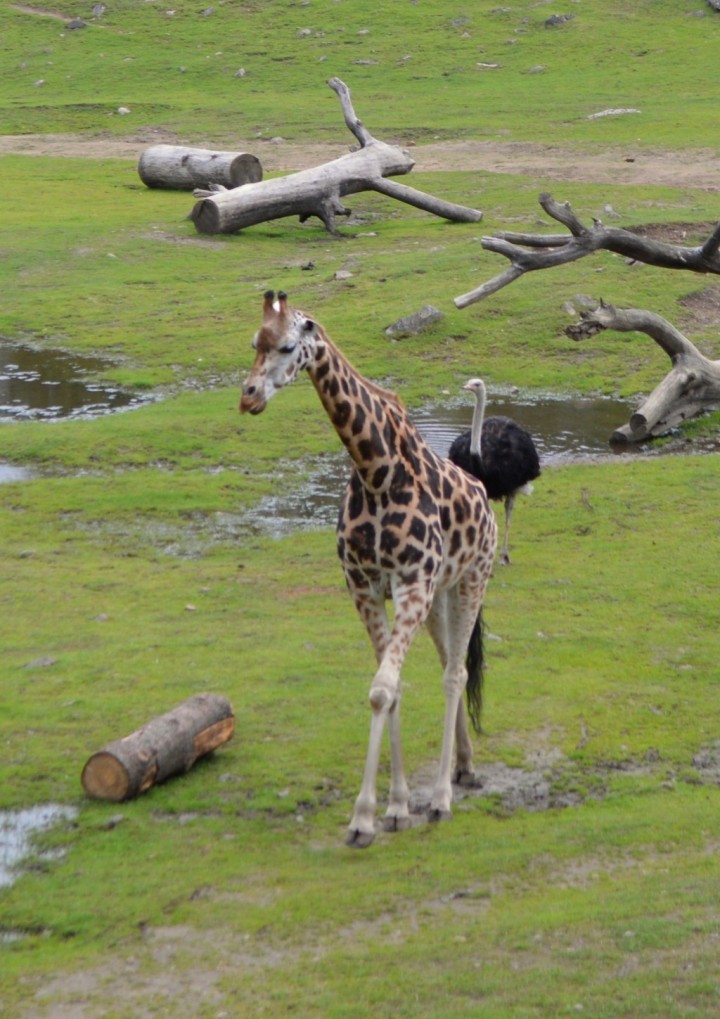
693,384
549,250
691,387
318,191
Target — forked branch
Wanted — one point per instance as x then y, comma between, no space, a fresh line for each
691,387
530,252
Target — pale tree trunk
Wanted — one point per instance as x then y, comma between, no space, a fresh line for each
318,191
691,387
179,168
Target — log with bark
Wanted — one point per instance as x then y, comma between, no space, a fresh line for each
318,191
167,745
691,387
548,250
183,169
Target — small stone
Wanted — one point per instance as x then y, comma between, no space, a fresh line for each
416,323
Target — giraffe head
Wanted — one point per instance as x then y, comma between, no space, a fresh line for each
283,346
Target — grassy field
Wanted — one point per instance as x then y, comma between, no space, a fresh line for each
583,879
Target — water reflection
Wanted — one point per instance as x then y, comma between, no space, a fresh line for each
564,429
17,831
45,384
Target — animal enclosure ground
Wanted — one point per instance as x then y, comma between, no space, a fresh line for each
600,164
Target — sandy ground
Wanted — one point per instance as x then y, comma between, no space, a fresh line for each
698,168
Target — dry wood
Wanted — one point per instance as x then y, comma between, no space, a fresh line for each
318,192
167,745
691,387
183,169
558,249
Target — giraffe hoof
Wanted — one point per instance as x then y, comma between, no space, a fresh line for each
435,815
466,777
392,823
356,839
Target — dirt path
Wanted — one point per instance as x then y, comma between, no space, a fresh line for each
698,168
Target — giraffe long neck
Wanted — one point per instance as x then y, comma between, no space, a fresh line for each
368,420
477,422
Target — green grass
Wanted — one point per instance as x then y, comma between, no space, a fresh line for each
244,854
415,74
131,583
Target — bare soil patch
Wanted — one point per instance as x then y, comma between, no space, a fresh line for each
612,165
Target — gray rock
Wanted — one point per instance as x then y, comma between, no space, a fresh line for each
416,323
557,19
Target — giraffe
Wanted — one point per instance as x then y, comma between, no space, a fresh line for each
413,528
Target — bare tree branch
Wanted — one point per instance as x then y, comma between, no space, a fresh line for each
691,387
582,241
353,122
438,206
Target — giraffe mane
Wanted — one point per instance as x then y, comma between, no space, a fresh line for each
384,394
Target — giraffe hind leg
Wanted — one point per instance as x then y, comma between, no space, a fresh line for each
505,552
436,622
463,606
390,649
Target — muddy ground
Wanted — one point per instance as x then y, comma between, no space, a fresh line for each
698,168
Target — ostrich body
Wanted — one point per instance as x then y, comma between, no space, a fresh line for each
499,453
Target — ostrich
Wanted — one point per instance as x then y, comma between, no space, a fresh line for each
498,452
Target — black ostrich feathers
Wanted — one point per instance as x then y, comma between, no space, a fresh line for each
508,459
498,452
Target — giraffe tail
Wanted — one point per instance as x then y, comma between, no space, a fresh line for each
474,662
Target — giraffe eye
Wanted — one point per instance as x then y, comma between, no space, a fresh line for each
287,348
308,325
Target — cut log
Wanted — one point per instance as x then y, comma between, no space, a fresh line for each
183,169
317,192
167,745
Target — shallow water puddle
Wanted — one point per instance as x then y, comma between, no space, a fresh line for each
18,829
41,385
563,428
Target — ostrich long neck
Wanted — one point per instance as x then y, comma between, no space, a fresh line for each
477,421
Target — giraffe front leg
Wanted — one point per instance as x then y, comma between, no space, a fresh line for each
397,815
361,830
464,770
441,802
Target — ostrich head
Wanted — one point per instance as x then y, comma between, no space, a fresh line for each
283,345
476,386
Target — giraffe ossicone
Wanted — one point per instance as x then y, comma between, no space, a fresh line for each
413,528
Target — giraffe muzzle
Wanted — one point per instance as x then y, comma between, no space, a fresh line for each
253,400
252,405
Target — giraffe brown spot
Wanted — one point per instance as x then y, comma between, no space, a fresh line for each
418,529
342,414
410,555
358,422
